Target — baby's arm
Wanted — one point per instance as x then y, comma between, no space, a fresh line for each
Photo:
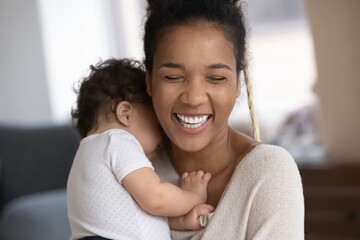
191,220
165,199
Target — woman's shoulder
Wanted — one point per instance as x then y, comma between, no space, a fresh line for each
271,173
269,181
266,159
255,154
269,155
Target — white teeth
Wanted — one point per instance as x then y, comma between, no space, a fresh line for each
190,122
196,120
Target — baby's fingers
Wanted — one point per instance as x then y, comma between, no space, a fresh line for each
206,177
185,175
200,173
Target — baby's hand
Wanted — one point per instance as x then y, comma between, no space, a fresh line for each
196,182
191,220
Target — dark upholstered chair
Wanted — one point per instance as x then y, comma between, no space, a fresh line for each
34,166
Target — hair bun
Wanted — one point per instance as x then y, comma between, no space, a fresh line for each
165,7
153,5
156,5
160,5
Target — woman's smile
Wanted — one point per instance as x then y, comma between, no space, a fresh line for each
192,124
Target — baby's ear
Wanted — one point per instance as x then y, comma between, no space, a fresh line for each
123,112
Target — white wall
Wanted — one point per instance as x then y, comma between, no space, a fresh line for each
23,87
76,34
46,47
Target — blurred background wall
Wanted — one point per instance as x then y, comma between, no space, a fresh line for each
336,34
47,46
24,95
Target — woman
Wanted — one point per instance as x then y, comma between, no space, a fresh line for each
194,54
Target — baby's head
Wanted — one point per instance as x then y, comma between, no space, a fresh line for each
114,96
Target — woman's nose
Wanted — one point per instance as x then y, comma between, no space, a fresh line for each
194,93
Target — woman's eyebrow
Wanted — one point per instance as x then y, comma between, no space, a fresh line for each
212,66
172,65
219,65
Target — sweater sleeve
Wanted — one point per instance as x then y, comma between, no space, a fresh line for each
276,196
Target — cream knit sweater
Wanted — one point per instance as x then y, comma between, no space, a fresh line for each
263,200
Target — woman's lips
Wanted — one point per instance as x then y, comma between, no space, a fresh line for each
192,122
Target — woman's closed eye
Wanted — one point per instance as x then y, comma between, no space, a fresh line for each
216,79
173,78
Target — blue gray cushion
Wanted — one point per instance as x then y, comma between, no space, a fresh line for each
41,216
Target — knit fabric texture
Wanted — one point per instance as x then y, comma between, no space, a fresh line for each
263,200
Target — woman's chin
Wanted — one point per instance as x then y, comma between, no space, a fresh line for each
189,146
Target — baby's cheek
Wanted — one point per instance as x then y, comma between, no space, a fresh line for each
150,148
155,139
151,155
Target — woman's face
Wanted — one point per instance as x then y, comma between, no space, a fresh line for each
194,85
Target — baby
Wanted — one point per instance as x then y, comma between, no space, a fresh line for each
113,191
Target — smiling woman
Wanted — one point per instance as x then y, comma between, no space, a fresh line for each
194,55
196,79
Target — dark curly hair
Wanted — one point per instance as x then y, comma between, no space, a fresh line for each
225,15
108,83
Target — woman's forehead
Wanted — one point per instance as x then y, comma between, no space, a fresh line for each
201,42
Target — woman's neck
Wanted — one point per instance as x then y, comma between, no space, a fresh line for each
215,158
219,158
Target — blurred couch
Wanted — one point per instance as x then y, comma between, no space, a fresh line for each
34,166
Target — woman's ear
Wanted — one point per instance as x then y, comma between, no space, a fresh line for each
148,83
123,112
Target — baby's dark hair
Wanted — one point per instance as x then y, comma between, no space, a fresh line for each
108,83
225,15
